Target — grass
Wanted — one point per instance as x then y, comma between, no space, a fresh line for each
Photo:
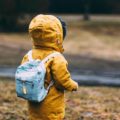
95,45
88,103
90,40
13,45
94,39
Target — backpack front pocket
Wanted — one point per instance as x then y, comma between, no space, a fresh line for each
24,88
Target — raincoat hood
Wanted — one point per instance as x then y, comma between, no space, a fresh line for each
46,32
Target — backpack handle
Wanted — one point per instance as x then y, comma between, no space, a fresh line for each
30,58
51,84
45,60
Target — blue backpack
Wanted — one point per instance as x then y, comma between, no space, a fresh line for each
30,78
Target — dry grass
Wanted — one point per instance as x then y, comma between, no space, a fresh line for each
92,39
99,40
84,42
90,45
88,103
11,108
13,47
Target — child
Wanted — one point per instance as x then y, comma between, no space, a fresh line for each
47,33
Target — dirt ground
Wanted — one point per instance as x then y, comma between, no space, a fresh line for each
88,103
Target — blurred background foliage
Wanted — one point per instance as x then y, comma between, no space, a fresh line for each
59,6
12,10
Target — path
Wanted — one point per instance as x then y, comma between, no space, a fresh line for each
108,79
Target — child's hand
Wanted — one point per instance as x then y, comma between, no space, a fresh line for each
75,89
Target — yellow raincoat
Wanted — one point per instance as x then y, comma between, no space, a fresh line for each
47,36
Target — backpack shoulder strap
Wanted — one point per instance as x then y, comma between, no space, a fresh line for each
45,60
30,55
51,84
50,56
30,58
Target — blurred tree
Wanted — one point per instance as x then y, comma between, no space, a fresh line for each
66,6
115,6
10,10
32,6
101,6
86,4
7,13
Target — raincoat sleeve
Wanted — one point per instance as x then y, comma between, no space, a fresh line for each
61,74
